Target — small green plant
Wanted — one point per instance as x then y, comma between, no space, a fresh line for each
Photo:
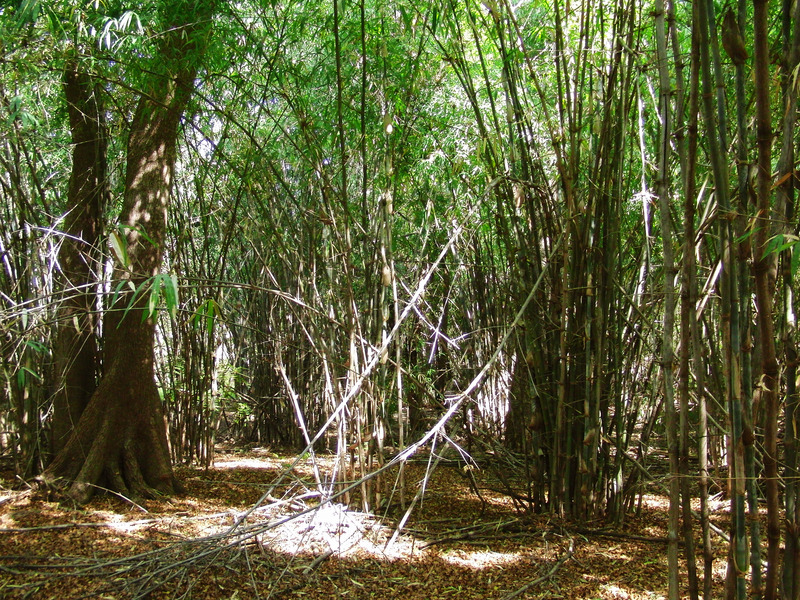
206,314
229,377
243,412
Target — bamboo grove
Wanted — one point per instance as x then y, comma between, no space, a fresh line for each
557,237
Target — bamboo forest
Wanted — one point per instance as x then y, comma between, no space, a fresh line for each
411,299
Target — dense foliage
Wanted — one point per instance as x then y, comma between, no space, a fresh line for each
557,235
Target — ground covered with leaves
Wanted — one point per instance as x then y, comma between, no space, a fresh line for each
251,527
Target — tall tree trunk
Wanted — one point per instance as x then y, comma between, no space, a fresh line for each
732,28
75,347
690,329
687,310
764,267
667,354
785,207
717,144
120,439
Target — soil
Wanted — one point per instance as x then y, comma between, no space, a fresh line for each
217,542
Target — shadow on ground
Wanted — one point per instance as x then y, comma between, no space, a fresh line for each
200,546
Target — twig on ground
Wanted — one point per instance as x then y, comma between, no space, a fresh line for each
121,496
558,564
471,532
621,535
317,562
132,524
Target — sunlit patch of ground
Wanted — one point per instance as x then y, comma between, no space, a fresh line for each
618,593
243,463
290,546
480,559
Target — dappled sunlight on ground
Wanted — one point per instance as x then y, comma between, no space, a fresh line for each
481,559
616,592
214,543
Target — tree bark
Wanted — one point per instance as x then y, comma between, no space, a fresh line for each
764,270
785,206
120,441
691,345
75,348
667,351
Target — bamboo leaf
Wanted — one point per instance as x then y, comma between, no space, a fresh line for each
171,293
207,312
746,235
119,247
22,376
117,290
155,294
210,320
28,12
772,245
137,292
36,346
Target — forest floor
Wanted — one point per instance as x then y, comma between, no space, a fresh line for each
206,545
